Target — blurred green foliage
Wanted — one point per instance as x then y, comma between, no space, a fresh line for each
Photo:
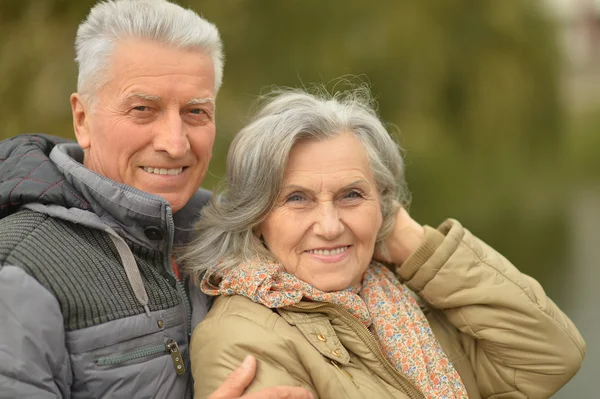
472,88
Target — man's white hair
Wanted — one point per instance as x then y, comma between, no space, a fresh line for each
159,20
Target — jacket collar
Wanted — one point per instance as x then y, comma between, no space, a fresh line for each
144,218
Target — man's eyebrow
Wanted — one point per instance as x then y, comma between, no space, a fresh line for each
142,96
197,101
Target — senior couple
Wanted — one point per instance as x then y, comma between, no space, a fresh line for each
105,287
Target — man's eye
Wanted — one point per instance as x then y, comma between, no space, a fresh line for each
141,108
198,111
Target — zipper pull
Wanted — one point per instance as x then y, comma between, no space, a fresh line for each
173,349
346,373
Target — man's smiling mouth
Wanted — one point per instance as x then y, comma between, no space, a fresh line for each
163,171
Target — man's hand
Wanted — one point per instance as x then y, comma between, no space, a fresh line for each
405,238
233,387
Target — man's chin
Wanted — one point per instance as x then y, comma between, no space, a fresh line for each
177,201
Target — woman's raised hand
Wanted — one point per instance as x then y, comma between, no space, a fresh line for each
405,238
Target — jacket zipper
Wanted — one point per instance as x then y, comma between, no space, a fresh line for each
179,283
117,359
369,339
186,304
170,346
173,350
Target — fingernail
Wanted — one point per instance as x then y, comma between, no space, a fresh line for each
247,362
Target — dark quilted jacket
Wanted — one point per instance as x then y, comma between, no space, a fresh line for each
25,177
73,325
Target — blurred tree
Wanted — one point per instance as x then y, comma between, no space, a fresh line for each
472,87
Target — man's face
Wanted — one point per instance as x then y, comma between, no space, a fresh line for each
152,125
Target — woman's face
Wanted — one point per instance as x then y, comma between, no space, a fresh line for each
325,222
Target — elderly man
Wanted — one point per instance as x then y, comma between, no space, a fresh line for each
91,303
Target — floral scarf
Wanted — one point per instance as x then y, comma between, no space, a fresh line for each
382,304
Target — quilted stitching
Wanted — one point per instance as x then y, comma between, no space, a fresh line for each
27,175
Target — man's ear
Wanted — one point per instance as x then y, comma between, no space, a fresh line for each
80,120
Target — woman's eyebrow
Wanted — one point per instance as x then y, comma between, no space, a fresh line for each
359,183
294,187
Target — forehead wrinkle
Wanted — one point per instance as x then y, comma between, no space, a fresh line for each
356,174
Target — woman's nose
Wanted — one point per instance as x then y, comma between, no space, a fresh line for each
328,224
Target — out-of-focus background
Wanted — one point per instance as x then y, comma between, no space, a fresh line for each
497,104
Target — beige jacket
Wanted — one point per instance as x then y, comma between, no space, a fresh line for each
503,335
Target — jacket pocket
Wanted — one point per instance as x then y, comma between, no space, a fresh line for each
169,346
144,353
114,359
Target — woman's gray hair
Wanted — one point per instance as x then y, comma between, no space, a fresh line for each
159,20
257,160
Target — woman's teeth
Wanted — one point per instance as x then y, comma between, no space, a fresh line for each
327,252
162,171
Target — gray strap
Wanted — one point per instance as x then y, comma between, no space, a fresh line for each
131,269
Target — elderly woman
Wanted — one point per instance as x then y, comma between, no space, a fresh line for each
312,191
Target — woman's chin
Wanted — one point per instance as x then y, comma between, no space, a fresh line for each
332,284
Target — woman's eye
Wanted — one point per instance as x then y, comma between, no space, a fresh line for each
294,198
352,194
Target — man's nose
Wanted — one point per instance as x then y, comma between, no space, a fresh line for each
328,224
171,136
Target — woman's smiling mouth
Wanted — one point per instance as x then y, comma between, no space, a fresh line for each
330,255
328,252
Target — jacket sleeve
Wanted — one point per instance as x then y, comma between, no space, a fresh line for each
220,345
518,341
33,359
